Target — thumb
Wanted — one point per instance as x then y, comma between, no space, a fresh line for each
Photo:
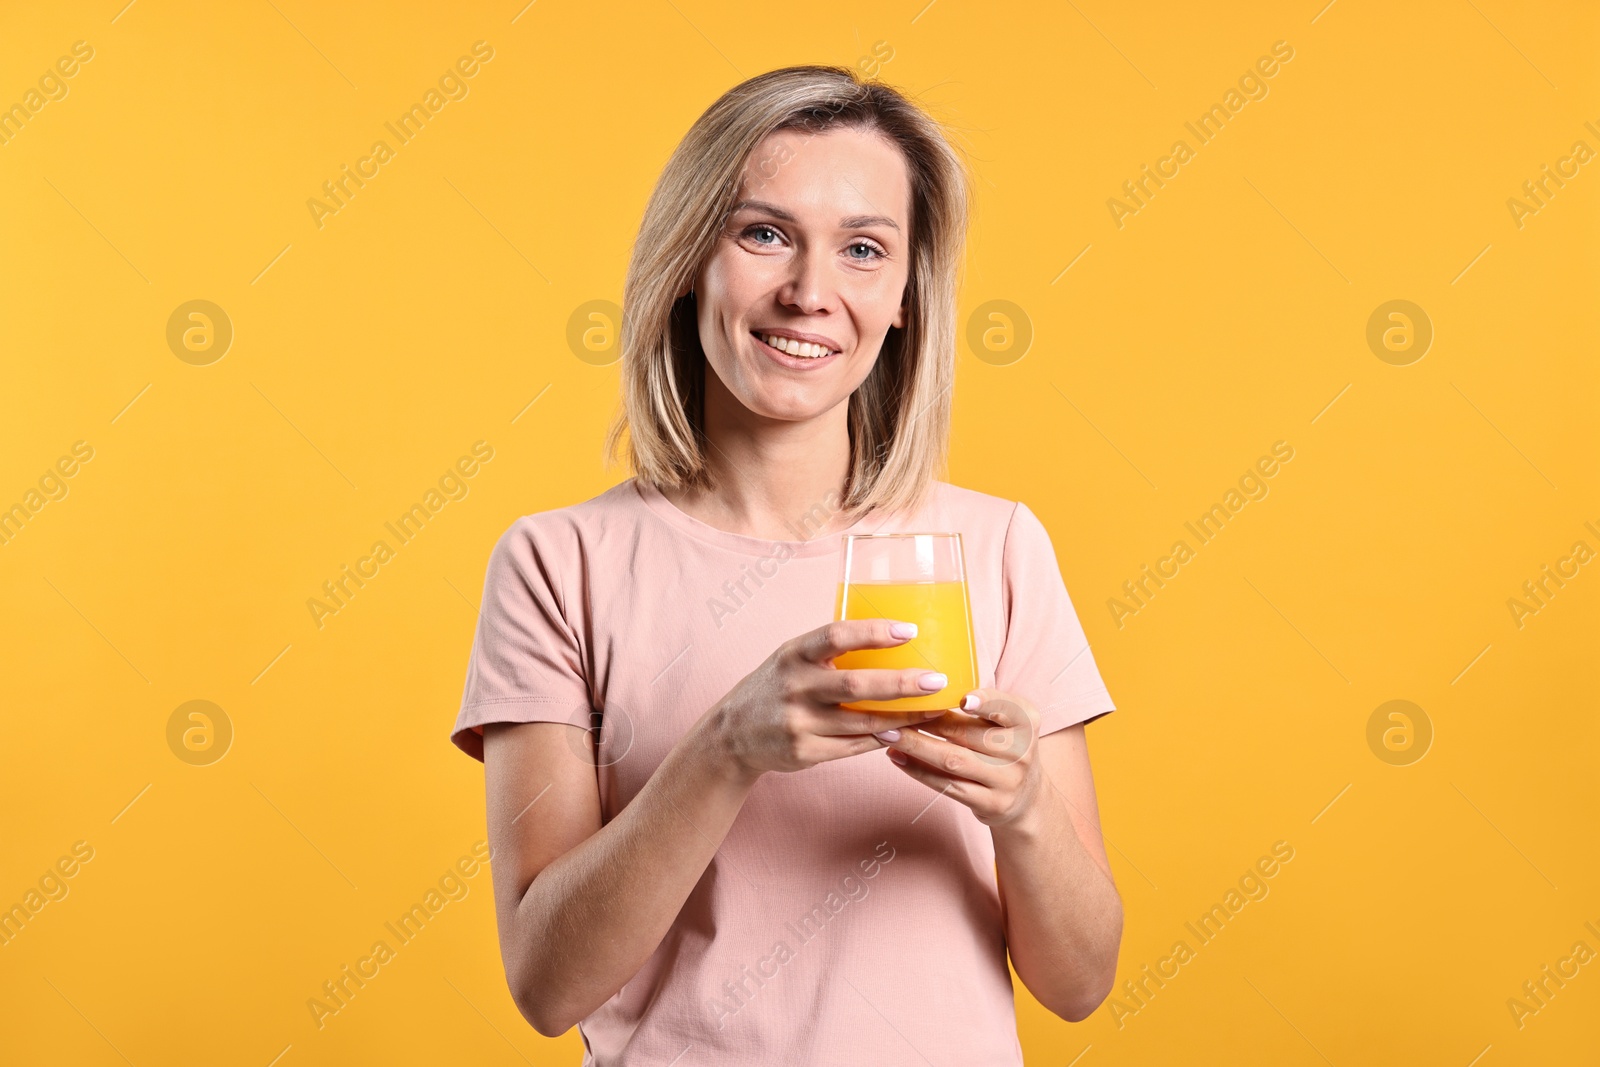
999,706
974,699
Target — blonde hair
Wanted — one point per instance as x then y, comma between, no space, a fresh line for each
899,417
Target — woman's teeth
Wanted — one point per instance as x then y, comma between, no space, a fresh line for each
803,349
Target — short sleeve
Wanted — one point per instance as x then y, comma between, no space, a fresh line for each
1046,656
526,663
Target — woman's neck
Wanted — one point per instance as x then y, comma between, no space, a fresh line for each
773,479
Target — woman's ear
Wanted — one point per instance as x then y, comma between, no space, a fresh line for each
899,320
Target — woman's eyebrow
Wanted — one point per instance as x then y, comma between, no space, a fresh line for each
853,222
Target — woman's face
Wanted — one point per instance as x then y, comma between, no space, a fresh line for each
814,258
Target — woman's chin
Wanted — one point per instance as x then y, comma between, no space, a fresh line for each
798,405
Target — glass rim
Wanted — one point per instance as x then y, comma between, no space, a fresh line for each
864,537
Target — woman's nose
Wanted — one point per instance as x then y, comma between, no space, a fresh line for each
810,287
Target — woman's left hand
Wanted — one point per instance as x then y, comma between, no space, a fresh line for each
984,759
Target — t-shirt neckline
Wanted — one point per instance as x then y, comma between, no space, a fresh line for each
681,520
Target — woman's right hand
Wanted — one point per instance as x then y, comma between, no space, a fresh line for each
785,715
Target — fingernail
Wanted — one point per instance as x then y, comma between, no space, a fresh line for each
888,735
933,682
903,629
970,702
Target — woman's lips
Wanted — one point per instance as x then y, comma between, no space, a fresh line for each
783,358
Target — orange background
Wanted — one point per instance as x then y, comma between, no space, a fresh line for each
1164,357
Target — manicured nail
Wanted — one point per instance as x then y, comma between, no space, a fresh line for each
888,735
970,702
933,682
903,629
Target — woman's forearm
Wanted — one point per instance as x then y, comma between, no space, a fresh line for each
1063,916
592,917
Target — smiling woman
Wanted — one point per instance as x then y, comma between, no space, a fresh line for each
855,167
788,352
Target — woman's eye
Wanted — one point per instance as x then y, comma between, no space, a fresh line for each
869,247
754,230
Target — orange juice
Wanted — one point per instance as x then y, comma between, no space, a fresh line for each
943,642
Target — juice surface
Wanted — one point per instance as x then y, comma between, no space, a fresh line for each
943,642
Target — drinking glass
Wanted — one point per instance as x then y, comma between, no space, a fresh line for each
911,577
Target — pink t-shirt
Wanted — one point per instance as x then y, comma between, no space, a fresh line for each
851,914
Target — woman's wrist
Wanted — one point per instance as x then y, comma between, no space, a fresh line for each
709,743
1037,818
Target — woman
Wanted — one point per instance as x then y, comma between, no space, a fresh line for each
725,872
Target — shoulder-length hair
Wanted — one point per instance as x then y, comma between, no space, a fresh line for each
899,417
